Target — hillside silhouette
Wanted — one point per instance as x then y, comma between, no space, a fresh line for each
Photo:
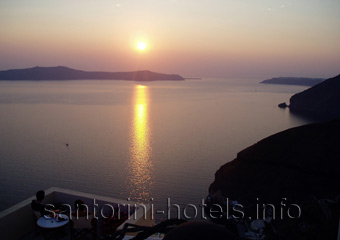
321,101
65,73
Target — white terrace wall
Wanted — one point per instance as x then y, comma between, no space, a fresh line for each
18,221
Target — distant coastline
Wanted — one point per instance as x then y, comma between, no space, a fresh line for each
65,73
294,81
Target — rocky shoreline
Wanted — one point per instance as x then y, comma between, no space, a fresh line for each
320,102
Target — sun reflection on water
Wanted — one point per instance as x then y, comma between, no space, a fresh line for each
140,166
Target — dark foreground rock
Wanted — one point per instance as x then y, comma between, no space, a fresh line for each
321,101
283,105
65,73
301,165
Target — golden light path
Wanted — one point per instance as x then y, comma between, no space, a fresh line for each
140,165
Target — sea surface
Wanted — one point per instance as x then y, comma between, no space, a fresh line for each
149,141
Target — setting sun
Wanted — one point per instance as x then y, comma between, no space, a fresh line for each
141,46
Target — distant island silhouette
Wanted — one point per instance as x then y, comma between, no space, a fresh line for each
294,81
65,73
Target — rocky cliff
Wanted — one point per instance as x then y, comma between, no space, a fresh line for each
321,101
301,164
292,163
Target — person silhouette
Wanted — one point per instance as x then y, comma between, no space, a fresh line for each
37,205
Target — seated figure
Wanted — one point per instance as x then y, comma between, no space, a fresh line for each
37,206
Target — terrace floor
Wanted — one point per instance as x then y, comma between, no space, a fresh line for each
65,234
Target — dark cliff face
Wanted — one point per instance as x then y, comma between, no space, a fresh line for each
292,163
300,164
321,101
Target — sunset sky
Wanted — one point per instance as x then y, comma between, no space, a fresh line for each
194,38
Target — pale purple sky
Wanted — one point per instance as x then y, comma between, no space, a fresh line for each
217,38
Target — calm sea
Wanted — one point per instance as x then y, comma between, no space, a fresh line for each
158,140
